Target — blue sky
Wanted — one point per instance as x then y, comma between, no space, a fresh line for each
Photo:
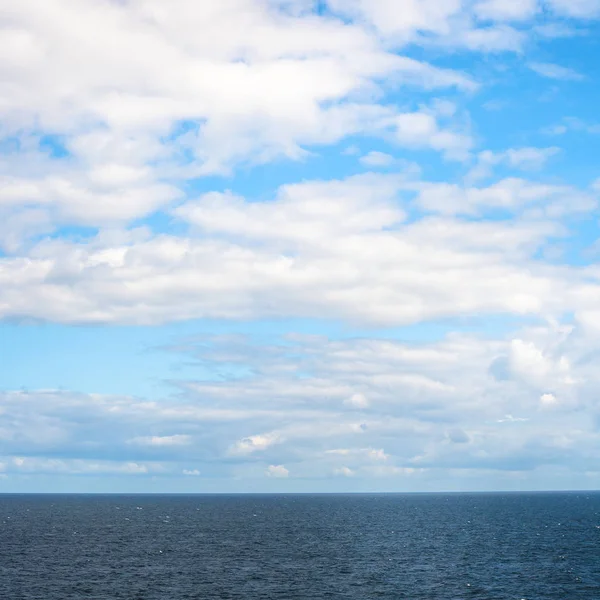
282,245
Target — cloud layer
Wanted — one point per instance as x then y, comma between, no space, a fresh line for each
380,165
313,407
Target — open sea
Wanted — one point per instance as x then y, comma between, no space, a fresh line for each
430,546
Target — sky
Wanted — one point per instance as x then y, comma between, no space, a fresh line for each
299,246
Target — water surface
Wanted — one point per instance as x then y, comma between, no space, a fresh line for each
418,547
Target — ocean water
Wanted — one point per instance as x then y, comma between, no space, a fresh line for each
484,546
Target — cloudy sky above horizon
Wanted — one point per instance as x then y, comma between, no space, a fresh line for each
289,245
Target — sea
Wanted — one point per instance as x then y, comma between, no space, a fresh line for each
533,546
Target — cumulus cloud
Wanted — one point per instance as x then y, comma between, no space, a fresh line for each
576,8
435,406
321,248
548,400
377,159
120,205
524,159
507,10
512,194
98,146
255,443
421,130
191,472
277,471
344,471
357,401
444,22
117,130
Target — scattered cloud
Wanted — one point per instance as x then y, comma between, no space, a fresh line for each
321,248
576,8
377,159
167,440
368,453
344,472
515,195
507,10
357,401
193,170
277,471
511,419
191,472
465,402
97,145
524,159
572,124
421,130
255,443
77,466
552,71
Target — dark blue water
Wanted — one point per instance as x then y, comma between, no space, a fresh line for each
513,546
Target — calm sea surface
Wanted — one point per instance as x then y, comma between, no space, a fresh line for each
513,546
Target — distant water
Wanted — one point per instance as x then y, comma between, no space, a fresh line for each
488,547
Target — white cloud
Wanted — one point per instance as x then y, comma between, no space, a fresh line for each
390,471
421,130
530,158
168,99
576,8
254,443
351,151
320,249
572,124
437,22
166,440
377,454
552,71
528,361
511,419
344,471
277,471
377,159
513,194
416,15
371,454
525,159
101,136
496,39
548,400
465,402
77,466
507,10
191,472
357,401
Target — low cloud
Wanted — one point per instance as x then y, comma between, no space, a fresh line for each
552,71
357,401
167,440
344,472
191,472
377,159
277,471
327,249
255,443
435,406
